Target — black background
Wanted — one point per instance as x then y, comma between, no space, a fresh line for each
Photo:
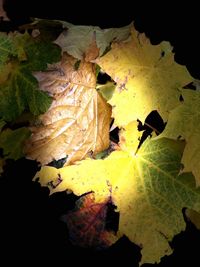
32,232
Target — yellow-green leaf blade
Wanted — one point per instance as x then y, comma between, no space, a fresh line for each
184,122
146,189
151,208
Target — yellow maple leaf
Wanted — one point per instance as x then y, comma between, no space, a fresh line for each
147,78
145,187
77,123
184,122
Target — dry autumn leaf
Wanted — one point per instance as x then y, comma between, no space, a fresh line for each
147,78
77,123
91,232
78,39
146,188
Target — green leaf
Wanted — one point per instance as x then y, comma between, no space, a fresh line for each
39,54
12,142
6,48
20,91
19,41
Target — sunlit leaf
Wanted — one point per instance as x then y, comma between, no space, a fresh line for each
145,187
147,78
184,122
77,123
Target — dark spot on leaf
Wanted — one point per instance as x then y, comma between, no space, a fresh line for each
182,166
162,53
181,99
77,64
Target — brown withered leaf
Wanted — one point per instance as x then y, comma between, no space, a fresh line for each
77,123
87,223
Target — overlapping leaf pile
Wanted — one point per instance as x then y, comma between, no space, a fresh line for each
149,188
20,97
